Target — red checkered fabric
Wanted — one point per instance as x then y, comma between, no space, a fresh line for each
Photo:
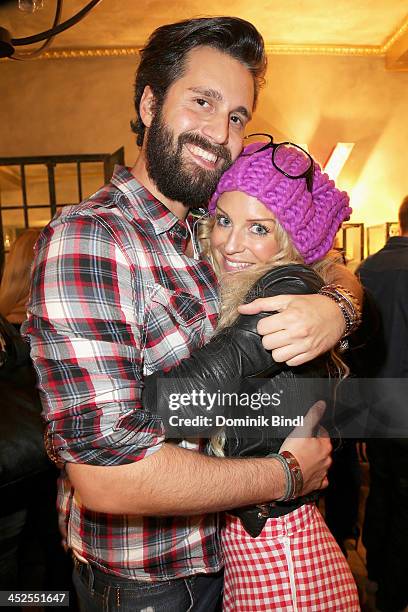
114,297
294,565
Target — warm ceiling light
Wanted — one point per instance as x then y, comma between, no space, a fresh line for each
30,6
7,43
338,158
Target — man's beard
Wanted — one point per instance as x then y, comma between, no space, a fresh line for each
176,179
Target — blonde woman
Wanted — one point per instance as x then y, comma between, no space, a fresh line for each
15,283
274,219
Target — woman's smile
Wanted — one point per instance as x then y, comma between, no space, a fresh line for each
243,234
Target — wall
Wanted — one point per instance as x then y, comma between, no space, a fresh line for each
50,107
324,100
84,106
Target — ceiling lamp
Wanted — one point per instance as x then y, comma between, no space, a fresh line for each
8,44
30,6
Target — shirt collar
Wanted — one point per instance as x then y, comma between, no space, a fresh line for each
161,218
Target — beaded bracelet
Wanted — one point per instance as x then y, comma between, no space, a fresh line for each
348,304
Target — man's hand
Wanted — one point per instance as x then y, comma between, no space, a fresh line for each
312,453
303,327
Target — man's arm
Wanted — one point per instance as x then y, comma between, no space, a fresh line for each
175,481
85,340
305,326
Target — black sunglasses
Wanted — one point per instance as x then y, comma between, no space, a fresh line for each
280,159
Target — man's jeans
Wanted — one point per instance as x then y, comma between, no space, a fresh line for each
97,592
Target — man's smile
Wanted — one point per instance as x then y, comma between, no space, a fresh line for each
202,157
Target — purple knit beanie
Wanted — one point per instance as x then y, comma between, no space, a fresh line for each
311,219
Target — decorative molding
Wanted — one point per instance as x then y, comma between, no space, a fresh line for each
355,50
85,53
271,49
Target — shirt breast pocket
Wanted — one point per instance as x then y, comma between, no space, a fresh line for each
175,324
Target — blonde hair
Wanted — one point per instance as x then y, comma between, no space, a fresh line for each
233,293
15,283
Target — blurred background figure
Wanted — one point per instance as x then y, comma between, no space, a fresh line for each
341,498
385,531
31,554
22,456
15,282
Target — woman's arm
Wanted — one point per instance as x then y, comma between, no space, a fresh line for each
236,353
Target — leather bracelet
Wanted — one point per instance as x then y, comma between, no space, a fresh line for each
348,304
295,473
294,481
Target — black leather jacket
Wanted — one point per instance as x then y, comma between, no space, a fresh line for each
234,361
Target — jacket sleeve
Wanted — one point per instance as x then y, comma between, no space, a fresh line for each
235,353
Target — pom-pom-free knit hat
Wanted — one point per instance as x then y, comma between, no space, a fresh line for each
311,219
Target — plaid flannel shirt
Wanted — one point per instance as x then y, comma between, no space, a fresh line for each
114,298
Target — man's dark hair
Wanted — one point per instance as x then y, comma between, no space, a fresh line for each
403,216
163,58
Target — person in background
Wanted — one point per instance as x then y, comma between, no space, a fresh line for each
341,498
385,529
22,453
31,556
15,282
